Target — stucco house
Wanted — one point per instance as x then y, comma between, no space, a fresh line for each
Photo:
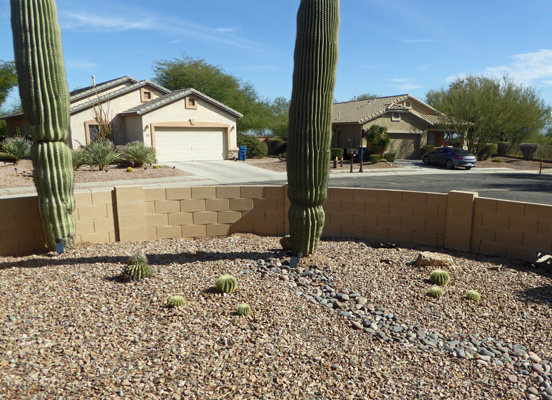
410,123
182,125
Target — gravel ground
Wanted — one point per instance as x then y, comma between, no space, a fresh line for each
71,329
21,176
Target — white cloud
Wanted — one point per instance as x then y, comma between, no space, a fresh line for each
87,22
80,64
405,84
528,68
229,29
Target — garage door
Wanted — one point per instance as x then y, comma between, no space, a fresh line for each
190,144
404,145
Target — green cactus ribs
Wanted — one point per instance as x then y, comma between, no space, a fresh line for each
305,224
53,177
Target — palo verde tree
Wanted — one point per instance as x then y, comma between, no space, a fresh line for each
310,120
45,101
497,109
8,79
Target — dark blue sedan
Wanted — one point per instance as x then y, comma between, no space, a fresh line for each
450,157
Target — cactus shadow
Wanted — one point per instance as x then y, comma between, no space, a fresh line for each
538,294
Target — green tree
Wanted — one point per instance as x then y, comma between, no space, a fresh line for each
8,79
498,109
365,96
377,139
187,72
280,117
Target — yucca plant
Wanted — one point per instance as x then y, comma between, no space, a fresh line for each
101,153
243,310
15,149
226,284
79,159
137,154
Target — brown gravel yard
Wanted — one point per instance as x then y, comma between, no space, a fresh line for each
71,329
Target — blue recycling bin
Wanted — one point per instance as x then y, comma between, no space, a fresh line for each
242,154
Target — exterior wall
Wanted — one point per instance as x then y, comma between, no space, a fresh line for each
407,124
114,106
203,115
457,220
18,122
136,130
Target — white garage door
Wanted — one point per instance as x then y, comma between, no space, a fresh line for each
190,144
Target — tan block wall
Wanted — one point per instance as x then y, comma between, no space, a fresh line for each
457,220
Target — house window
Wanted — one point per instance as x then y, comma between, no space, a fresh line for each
431,139
93,132
145,95
395,117
408,104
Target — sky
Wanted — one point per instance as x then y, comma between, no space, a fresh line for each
386,47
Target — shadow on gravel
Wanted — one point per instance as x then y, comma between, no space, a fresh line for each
153,259
539,294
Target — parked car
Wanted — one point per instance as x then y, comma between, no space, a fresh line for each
450,157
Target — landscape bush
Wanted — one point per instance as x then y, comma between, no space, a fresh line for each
389,157
255,148
101,154
528,150
276,145
15,148
137,154
486,151
375,158
336,152
377,139
502,148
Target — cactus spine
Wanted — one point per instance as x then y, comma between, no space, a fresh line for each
310,120
45,100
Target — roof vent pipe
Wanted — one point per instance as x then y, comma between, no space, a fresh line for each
93,81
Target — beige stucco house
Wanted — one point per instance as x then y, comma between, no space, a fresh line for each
182,125
410,123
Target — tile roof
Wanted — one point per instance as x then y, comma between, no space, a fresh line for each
360,112
172,97
90,90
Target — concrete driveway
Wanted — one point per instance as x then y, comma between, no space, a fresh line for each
226,172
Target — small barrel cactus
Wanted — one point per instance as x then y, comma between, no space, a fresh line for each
226,284
436,292
130,169
439,277
473,295
155,166
244,310
176,301
137,268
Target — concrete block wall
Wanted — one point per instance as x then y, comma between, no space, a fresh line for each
386,216
509,228
457,220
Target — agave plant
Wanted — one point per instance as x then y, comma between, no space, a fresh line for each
137,154
101,153
15,149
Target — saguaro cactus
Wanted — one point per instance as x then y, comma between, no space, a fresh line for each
310,120
45,101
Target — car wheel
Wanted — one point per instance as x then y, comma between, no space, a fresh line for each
449,164
426,160
468,168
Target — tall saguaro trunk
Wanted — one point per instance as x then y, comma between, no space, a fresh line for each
310,120
45,101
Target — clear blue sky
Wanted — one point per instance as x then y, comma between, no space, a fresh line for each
386,47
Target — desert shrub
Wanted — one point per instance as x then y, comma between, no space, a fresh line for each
15,148
390,157
375,158
101,154
282,156
255,148
439,277
528,150
436,292
336,152
79,158
497,160
137,154
486,151
377,139
276,145
226,284
425,149
502,148
244,310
